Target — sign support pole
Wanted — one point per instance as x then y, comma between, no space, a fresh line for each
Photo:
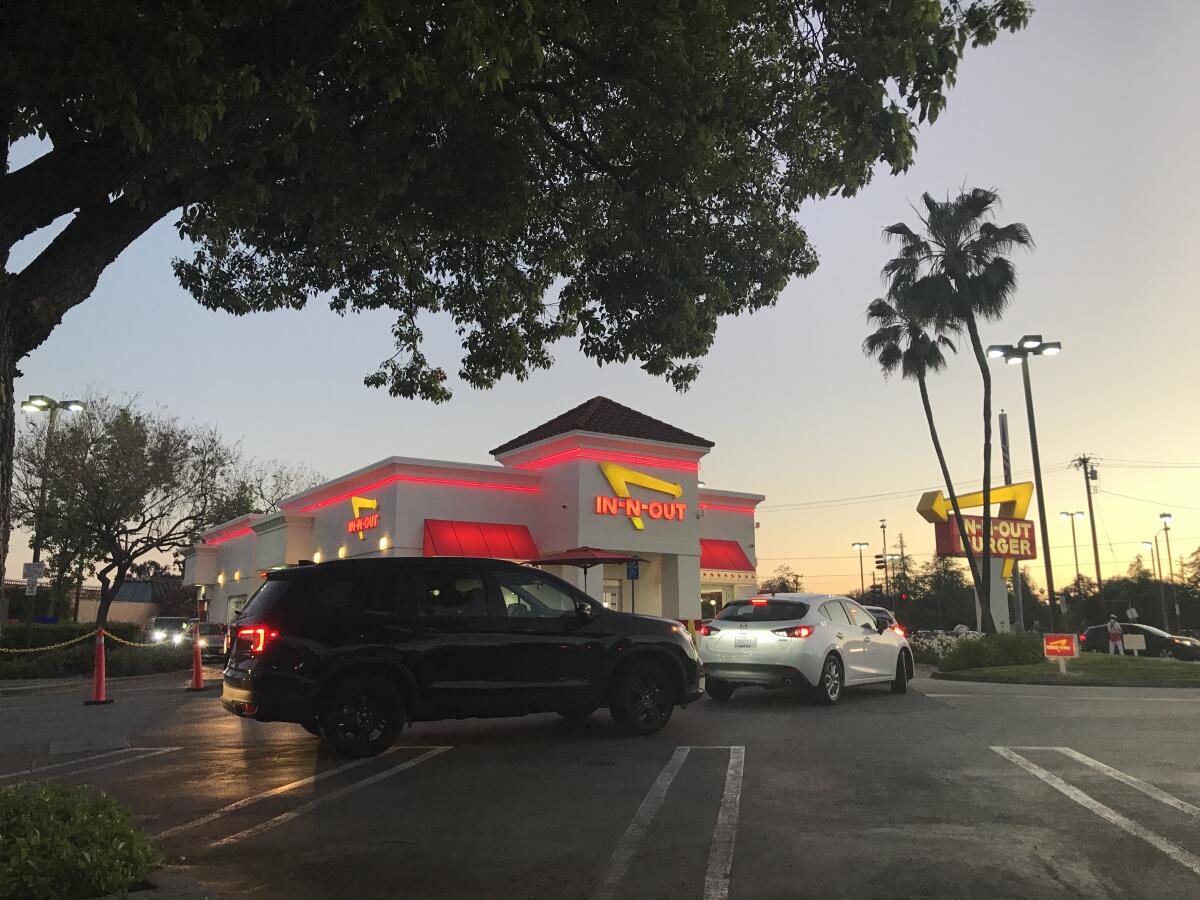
1018,618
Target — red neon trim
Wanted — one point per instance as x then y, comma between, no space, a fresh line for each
418,479
227,537
636,459
749,510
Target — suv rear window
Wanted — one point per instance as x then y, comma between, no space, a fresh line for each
771,611
265,598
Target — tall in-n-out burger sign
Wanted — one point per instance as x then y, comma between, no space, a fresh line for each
622,504
360,522
1011,538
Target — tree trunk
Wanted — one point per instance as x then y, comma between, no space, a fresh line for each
984,587
937,446
8,371
108,592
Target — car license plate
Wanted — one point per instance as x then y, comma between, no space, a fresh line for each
745,640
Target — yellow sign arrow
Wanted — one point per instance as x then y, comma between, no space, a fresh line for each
619,478
1014,500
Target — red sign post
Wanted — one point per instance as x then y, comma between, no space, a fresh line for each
1060,647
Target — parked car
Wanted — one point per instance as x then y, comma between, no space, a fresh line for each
168,629
884,617
1158,642
354,649
809,643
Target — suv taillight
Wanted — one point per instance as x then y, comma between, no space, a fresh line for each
796,631
707,630
257,637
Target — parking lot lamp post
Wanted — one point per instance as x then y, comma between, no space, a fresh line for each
883,528
1166,519
1152,546
1033,345
860,546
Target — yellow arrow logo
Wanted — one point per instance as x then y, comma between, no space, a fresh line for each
1014,500
619,478
358,504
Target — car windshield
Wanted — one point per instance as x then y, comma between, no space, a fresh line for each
170,624
763,610
212,628
1148,629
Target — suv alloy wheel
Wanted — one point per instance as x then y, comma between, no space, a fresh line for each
643,697
829,687
361,715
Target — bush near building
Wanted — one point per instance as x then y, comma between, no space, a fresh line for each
78,659
65,843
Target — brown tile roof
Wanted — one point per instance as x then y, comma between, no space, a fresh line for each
605,416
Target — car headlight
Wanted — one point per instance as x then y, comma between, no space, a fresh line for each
158,636
177,638
203,642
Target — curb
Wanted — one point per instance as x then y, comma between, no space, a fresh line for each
1069,682
167,886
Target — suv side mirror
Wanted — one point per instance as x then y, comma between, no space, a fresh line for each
585,610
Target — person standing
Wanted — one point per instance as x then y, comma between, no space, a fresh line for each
1116,641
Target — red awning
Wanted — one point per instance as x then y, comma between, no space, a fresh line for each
444,537
725,555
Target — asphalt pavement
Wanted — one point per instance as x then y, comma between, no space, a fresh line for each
953,790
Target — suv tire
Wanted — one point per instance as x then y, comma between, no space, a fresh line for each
361,715
642,697
718,690
831,683
900,682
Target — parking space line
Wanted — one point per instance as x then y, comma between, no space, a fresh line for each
720,855
619,862
1174,851
1136,783
286,817
274,792
1109,698
69,762
120,762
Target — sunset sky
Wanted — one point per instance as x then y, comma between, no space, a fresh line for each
1085,123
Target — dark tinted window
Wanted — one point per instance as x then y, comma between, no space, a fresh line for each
362,591
834,613
764,611
860,616
444,592
264,599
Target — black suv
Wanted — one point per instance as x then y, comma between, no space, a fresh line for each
353,649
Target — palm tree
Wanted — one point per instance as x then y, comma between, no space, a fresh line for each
899,342
958,271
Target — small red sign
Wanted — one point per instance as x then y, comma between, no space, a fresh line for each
1059,645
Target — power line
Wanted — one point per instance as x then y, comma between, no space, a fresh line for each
1151,502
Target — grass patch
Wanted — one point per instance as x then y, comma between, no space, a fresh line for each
1099,667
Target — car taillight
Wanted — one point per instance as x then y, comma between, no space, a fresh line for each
1082,638
898,630
707,631
258,636
759,601
796,631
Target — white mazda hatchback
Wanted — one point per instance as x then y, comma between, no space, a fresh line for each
803,642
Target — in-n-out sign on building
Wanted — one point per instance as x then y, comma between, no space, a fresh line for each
601,475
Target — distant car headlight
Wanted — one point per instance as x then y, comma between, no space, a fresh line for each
177,639
203,642
158,636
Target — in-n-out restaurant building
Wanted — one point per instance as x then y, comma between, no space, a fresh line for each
601,475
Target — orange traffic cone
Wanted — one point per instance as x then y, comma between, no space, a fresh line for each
99,687
197,663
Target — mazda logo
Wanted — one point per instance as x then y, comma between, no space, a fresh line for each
742,626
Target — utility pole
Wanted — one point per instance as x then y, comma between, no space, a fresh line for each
1084,463
1019,600
883,528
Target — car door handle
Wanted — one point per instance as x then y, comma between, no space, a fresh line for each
840,635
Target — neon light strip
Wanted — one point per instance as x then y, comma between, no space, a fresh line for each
418,479
228,537
608,456
749,510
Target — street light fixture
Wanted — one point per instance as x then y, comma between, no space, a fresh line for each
1033,345
860,546
1075,546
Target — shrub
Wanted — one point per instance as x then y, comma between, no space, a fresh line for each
931,649
78,660
44,635
63,843
992,650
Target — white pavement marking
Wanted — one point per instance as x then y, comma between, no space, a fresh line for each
323,799
619,862
991,694
1136,783
1174,851
274,792
69,762
120,762
720,856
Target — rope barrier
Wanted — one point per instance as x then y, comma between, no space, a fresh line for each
113,637
75,640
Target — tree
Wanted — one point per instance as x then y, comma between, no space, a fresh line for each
901,342
140,483
642,164
944,597
958,271
264,484
784,581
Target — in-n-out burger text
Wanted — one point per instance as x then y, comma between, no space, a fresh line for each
359,524
1011,538
633,508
